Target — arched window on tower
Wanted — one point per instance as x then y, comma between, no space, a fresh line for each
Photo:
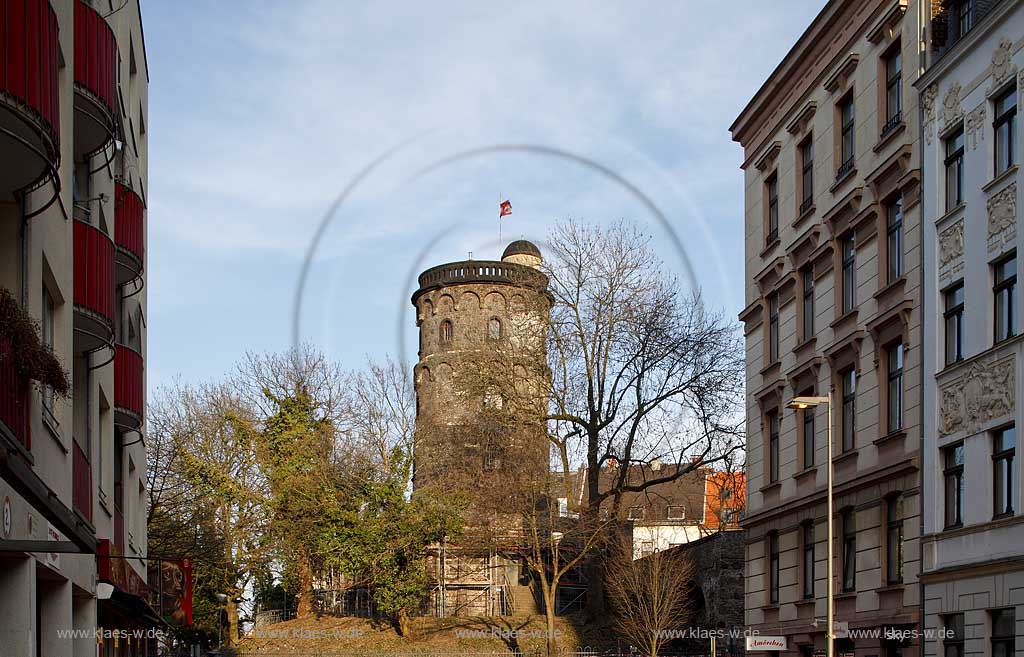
446,332
494,329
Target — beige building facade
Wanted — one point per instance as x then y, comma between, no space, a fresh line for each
833,284
973,535
73,190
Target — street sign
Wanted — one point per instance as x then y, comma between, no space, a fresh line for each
841,629
766,643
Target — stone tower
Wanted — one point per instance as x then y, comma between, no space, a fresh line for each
481,378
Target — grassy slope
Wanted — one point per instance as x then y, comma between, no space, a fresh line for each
429,634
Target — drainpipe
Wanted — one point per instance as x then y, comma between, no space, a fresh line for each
924,375
24,237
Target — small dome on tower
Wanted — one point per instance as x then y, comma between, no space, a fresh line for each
522,252
521,247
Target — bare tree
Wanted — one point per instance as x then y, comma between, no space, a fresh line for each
650,595
380,414
640,370
557,542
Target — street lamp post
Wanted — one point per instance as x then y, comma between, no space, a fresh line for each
802,404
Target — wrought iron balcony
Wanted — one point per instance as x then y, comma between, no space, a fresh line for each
95,81
806,205
891,124
129,400
29,112
128,234
844,169
94,288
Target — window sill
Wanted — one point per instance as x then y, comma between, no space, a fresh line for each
774,486
803,602
843,457
888,288
770,606
886,137
848,316
53,426
846,595
803,216
889,588
889,437
770,246
770,368
950,213
1003,177
806,472
104,504
841,180
805,345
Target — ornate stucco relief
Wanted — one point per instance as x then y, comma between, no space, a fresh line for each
951,109
1002,219
985,391
951,250
1003,67
976,125
928,100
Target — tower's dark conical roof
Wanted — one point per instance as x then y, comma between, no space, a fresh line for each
521,247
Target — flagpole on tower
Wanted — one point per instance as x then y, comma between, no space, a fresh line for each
504,208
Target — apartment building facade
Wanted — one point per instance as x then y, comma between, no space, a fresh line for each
972,568
833,283
73,189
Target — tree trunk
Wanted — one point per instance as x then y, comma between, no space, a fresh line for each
549,617
402,618
231,607
304,608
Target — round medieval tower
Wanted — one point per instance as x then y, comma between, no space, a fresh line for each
481,379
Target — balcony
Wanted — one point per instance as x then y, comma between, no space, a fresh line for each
128,235
94,287
129,401
14,399
81,488
29,115
95,81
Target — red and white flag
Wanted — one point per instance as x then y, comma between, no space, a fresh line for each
506,208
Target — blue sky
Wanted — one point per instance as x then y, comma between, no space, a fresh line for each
260,117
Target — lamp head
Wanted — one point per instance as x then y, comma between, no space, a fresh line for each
803,403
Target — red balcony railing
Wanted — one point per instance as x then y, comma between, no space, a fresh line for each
28,59
94,271
81,490
128,381
95,55
14,397
128,229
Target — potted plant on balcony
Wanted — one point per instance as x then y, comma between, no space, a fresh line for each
32,360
